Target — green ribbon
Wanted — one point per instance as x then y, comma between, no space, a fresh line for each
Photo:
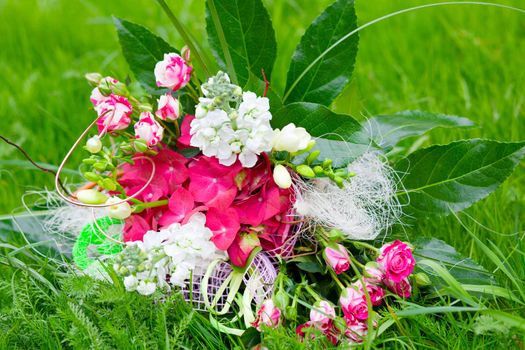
91,235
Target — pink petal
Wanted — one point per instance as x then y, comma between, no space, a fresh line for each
224,224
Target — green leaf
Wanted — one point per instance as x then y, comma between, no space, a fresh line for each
339,137
142,50
320,121
319,71
242,38
447,178
388,130
464,270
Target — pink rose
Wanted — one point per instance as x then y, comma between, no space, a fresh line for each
106,84
322,314
172,72
330,332
373,273
396,260
375,292
337,257
353,303
401,288
148,129
268,315
356,331
114,113
169,108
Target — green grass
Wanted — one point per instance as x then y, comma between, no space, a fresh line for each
462,60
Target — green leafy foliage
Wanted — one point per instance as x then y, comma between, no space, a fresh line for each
444,178
323,62
388,130
241,37
320,121
463,269
142,50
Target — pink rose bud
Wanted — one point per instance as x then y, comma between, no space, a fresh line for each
401,288
375,292
396,260
105,84
172,72
356,331
373,273
337,257
322,314
148,129
353,303
169,108
268,315
114,113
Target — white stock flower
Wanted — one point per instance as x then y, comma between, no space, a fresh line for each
291,139
172,255
281,176
242,133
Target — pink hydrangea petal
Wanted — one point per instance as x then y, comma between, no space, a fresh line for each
224,224
134,228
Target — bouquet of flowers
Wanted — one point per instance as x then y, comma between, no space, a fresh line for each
265,207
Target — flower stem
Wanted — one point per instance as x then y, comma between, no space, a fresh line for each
145,205
312,293
362,245
180,28
337,280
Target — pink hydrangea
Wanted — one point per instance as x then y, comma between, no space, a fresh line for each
114,113
148,129
337,258
396,261
172,72
168,108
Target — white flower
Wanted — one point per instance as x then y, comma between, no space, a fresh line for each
146,288
281,176
291,139
232,134
131,282
118,211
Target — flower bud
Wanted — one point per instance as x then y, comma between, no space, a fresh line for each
148,129
305,170
336,256
94,145
118,211
422,279
327,163
172,72
291,139
93,78
91,197
318,170
140,145
281,176
312,156
120,89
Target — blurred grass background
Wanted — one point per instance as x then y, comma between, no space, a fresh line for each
464,60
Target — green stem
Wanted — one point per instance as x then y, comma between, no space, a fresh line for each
336,279
222,39
180,28
140,207
365,245
313,293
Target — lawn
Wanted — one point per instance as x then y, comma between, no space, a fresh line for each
463,60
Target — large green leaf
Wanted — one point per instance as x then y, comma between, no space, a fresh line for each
464,270
320,121
388,130
241,37
320,69
339,137
142,49
445,178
